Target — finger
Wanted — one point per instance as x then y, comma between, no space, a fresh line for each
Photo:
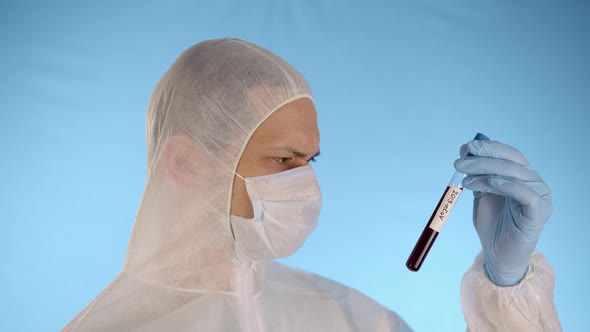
534,197
492,149
493,166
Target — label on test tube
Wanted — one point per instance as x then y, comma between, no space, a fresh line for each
444,209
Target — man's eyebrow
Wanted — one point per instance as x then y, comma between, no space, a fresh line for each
294,151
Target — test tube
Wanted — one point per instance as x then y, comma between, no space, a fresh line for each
439,217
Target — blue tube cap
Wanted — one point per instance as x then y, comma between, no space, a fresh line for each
481,136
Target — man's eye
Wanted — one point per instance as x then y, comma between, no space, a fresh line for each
311,159
281,160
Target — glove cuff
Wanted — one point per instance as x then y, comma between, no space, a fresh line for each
505,279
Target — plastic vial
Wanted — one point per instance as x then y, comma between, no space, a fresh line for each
439,217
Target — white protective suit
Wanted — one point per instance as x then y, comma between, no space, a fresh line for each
182,273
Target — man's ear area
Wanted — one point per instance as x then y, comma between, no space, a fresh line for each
181,158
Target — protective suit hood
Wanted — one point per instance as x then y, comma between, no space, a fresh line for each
217,93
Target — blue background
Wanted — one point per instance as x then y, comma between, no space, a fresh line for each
399,86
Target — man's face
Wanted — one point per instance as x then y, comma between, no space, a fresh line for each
288,138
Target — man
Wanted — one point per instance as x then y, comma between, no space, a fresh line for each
231,130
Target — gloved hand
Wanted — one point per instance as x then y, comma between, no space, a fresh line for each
511,206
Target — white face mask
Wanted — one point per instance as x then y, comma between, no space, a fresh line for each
286,211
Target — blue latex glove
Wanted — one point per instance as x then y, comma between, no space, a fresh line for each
511,206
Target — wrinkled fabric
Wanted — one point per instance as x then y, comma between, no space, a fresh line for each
527,306
182,272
